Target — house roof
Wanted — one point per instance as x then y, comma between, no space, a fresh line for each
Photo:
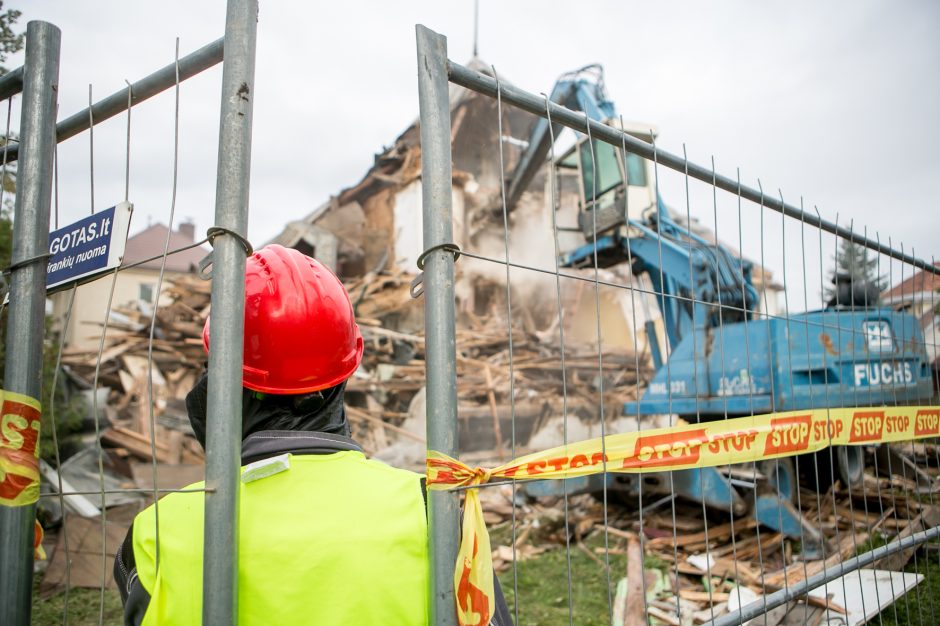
150,243
920,282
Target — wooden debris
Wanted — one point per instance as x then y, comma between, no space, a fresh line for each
126,367
84,565
929,518
663,616
704,596
800,570
142,447
633,604
393,369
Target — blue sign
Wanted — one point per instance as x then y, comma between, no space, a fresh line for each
90,246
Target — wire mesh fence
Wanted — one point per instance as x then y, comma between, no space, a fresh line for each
67,278
700,401
736,397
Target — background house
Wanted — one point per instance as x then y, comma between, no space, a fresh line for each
919,295
135,286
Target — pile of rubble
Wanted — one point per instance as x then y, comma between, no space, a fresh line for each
691,571
388,384
381,395
124,368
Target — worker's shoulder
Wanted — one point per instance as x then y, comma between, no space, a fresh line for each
378,467
190,498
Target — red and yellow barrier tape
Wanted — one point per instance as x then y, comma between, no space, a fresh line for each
19,449
19,456
737,440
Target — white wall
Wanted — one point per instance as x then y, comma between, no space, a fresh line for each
91,301
409,224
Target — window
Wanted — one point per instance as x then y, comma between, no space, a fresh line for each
636,170
145,292
609,172
608,169
305,247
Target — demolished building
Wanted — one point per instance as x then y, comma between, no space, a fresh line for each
372,231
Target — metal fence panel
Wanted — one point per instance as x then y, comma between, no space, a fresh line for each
27,292
37,207
756,452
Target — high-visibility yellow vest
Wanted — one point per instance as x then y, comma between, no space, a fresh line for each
336,539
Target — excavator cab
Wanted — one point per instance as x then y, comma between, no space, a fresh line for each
613,188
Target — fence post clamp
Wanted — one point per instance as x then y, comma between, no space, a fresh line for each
205,265
417,284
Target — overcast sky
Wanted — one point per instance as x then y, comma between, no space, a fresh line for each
836,102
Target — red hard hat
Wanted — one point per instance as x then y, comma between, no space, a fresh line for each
300,333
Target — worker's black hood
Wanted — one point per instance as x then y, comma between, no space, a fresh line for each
321,411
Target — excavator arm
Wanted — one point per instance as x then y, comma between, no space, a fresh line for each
694,275
580,90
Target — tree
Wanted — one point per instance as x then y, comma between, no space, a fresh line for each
855,278
854,260
10,41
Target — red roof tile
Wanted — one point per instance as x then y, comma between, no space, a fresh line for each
919,282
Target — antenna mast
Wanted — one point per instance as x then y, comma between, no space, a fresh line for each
476,25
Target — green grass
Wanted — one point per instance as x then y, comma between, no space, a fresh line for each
922,604
875,540
84,606
925,598
543,584
543,589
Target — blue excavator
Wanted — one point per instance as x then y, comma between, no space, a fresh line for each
722,358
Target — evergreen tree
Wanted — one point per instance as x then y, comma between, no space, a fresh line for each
860,266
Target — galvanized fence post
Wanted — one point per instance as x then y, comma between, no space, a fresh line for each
440,334
223,439
25,326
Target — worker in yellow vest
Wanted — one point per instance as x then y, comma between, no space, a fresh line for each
326,536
